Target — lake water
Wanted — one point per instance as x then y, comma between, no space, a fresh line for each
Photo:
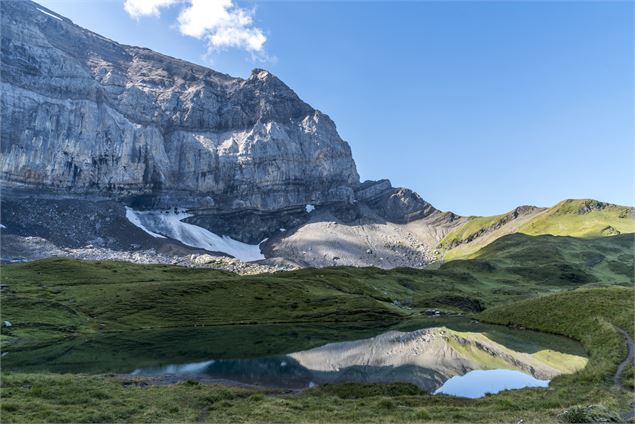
478,383
452,356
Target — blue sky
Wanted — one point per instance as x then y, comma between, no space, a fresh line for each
478,106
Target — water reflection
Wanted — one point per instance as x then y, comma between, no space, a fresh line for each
427,352
435,359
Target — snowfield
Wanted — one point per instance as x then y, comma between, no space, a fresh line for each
169,224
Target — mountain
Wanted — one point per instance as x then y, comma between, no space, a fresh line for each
118,152
99,139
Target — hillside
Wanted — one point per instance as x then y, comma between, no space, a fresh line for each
56,298
582,218
578,218
593,316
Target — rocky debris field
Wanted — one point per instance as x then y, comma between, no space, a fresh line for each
23,249
367,240
336,234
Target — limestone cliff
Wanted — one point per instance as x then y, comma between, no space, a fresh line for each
84,114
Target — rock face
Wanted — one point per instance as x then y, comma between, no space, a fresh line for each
83,114
399,205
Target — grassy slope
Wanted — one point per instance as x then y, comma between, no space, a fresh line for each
585,314
61,297
588,315
578,218
477,225
569,218
591,317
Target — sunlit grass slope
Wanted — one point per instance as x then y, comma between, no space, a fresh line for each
582,218
578,218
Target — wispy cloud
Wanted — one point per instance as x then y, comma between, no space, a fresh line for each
221,23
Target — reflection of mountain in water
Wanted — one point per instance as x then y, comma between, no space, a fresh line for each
426,358
274,371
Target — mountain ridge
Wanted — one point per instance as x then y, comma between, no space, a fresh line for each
562,219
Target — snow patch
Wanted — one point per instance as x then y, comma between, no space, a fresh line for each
309,208
133,217
2,226
170,224
50,14
282,230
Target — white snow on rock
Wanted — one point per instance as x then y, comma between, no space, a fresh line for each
2,226
282,230
50,14
169,224
309,208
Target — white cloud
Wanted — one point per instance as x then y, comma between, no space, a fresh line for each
221,23
138,8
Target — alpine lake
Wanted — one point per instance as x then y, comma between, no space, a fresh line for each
450,355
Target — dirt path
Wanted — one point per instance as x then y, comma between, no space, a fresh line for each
617,378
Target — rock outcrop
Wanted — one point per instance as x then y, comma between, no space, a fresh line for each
395,204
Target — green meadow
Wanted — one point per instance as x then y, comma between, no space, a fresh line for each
579,288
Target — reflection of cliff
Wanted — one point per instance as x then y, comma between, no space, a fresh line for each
444,352
426,358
